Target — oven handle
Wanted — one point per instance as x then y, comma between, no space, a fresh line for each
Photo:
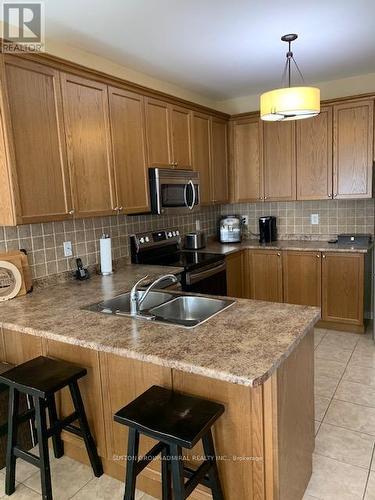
192,277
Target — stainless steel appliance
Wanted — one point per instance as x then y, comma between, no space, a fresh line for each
354,240
195,241
230,229
202,272
267,229
173,191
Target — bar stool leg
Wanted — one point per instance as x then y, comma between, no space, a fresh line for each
10,477
95,461
58,445
166,475
209,451
131,464
30,406
41,427
177,472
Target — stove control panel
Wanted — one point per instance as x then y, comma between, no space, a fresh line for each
155,238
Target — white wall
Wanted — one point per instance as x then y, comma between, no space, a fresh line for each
360,84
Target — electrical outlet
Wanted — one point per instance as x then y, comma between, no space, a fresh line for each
245,220
68,250
314,218
197,225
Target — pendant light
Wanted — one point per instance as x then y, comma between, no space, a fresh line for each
290,103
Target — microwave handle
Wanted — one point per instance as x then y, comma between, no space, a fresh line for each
194,194
185,195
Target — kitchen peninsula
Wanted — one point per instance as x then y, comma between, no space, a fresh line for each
255,357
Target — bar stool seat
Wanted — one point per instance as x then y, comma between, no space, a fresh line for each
39,379
177,421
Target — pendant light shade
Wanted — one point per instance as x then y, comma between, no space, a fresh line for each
290,103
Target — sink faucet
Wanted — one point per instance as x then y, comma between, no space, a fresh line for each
136,301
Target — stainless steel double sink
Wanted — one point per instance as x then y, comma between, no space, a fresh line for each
166,307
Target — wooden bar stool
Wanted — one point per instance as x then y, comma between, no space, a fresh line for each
40,379
176,421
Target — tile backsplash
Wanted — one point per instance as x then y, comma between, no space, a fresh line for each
44,242
293,217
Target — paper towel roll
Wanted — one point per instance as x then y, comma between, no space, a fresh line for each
105,256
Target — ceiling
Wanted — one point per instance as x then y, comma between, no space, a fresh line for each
221,48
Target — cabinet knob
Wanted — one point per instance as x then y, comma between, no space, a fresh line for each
71,212
318,255
261,198
329,195
265,197
323,256
278,254
115,209
334,195
120,208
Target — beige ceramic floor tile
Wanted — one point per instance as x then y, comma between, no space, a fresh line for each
360,374
372,467
325,386
321,405
356,393
68,477
319,334
147,497
309,497
363,355
345,446
351,416
102,488
2,485
317,425
332,353
333,480
329,368
342,340
370,489
24,470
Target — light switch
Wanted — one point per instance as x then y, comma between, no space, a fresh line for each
314,218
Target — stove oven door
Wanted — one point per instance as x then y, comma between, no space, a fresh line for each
210,280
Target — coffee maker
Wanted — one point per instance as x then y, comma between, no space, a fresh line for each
267,229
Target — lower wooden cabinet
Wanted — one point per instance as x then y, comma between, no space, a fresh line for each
264,276
343,288
235,271
302,278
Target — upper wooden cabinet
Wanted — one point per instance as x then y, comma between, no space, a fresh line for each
353,149
219,159
343,288
314,156
302,277
201,133
129,150
247,159
181,136
168,132
88,145
36,139
264,276
279,161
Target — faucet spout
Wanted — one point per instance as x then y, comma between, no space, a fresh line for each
136,301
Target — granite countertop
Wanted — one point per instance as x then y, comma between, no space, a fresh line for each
243,344
301,245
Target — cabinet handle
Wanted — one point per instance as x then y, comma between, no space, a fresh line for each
334,195
120,208
71,211
115,209
176,163
278,254
318,256
265,197
323,256
261,198
329,195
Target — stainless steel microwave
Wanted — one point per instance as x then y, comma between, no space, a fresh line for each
173,191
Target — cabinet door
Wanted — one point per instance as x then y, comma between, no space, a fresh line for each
201,155
314,157
157,133
17,348
219,160
279,161
353,141
343,287
180,120
34,97
302,278
265,276
88,143
235,270
129,151
90,387
247,160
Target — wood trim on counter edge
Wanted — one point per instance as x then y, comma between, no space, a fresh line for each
115,81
